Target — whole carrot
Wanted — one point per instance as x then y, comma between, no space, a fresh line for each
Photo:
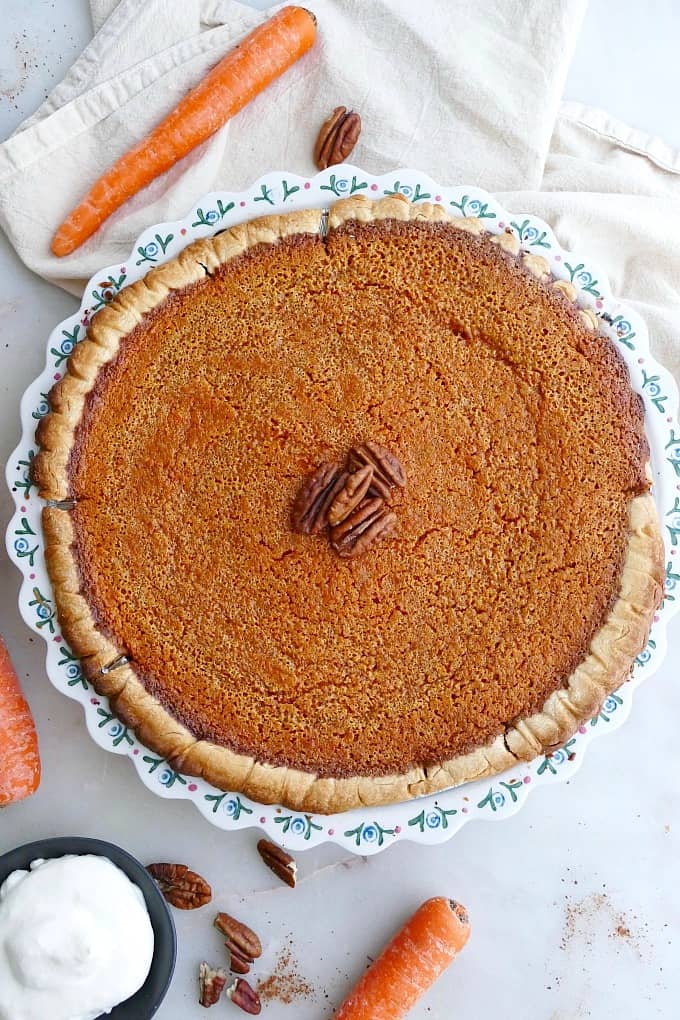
263,55
19,757
410,963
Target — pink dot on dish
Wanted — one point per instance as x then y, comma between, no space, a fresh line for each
32,576
331,832
437,198
57,376
397,829
136,751
93,701
262,820
307,185
464,810
374,187
582,729
57,639
242,203
527,779
669,420
192,787
183,231
672,554
558,258
656,617
598,304
23,509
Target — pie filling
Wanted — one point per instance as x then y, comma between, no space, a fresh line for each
519,435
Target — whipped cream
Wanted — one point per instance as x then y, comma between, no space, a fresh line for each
75,939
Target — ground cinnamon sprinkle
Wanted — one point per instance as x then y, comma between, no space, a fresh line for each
285,984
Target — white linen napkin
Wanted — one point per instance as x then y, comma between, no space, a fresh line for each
468,92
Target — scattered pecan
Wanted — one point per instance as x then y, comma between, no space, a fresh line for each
182,888
280,862
244,996
387,470
318,491
242,943
238,963
351,494
337,137
370,522
210,984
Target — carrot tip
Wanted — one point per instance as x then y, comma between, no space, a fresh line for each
460,912
310,13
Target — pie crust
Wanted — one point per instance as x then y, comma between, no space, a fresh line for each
606,666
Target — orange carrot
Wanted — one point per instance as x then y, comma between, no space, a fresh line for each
412,961
245,71
19,758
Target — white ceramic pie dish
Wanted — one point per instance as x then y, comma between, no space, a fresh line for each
431,819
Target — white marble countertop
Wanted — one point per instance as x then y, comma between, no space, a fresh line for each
574,901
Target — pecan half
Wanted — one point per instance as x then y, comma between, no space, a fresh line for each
210,984
280,862
337,137
365,526
182,888
244,996
387,469
309,514
350,495
242,943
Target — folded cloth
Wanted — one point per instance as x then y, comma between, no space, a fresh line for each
467,92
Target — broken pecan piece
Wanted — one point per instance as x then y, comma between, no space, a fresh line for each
279,861
365,526
309,514
337,137
181,887
244,996
350,495
210,984
242,943
387,469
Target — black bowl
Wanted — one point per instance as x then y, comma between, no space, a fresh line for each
144,1003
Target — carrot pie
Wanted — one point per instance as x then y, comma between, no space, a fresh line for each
353,515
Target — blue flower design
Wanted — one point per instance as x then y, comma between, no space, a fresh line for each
43,612
433,820
115,729
212,216
559,756
407,190
622,327
370,833
342,185
644,657
231,807
21,546
585,279
298,826
610,705
166,777
498,798
42,409
151,249
73,671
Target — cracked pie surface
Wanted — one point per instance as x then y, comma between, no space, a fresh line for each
522,565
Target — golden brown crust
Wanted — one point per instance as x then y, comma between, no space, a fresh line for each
611,654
